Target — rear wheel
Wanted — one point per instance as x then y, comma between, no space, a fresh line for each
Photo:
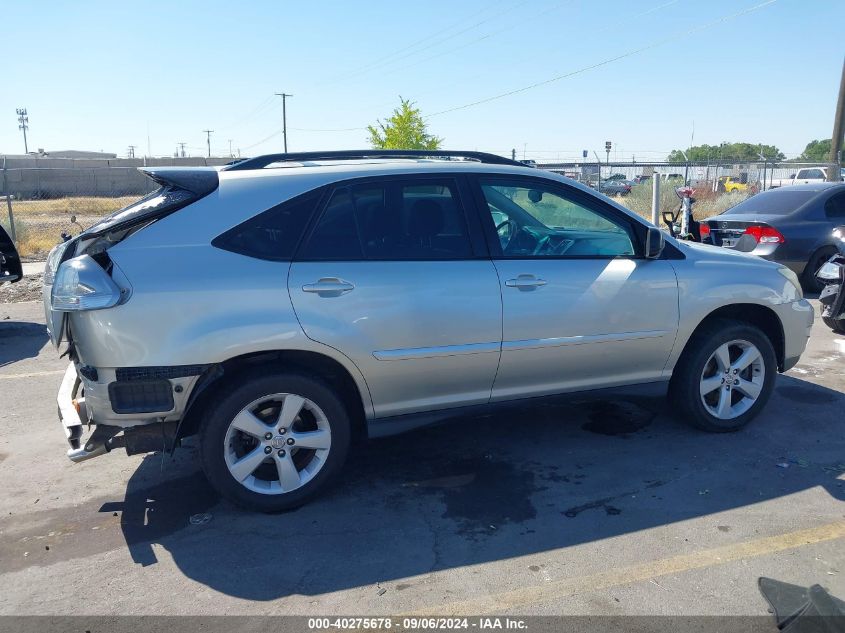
724,377
274,441
808,277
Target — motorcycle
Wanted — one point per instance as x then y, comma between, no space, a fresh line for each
832,276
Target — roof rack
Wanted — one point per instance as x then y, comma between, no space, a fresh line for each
259,162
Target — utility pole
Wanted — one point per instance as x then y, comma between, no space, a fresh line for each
834,169
130,151
231,155
208,140
181,149
513,154
23,121
284,97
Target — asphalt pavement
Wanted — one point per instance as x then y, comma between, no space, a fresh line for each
601,503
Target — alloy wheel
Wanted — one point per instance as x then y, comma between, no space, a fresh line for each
732,379
277,443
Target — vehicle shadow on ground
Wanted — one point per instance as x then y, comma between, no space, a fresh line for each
533,478
19,340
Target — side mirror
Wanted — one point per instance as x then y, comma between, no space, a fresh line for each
654,243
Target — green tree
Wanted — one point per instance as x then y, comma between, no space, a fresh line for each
727,151
404,130
816,151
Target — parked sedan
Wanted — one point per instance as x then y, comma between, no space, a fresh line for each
792,226
615,187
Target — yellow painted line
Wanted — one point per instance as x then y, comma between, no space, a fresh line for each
549,591
34,374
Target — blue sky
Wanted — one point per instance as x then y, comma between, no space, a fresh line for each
103,75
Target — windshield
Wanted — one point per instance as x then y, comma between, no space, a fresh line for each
776,202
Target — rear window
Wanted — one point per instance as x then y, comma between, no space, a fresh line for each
273,234
777,202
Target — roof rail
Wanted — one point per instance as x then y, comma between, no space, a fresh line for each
259,162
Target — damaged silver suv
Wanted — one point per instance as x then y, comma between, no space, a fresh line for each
288,304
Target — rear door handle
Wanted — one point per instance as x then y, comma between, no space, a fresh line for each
329,287
525,282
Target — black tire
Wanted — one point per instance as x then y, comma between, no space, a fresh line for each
808,277
834,324
247,389
684,387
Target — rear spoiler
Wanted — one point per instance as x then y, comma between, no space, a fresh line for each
198,180
11,269
180,186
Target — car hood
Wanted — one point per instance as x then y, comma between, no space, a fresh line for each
710,253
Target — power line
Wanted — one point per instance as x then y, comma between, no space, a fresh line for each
510,26
487,36
390,58
606,61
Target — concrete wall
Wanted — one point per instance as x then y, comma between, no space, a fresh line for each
45,177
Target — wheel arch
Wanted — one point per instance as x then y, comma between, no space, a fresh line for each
754,314
320,365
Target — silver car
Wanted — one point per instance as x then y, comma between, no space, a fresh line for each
287,305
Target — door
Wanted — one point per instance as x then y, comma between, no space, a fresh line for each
391,277
581,307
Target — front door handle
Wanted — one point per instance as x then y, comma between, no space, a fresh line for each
525,282
329,287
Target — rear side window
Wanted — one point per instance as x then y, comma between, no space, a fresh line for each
835,206
274,233
391,221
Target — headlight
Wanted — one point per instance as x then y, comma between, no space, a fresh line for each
792,278
81,284
829,271
53,260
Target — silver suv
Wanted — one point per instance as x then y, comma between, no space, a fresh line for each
286,305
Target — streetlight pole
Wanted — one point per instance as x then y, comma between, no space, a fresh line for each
284,97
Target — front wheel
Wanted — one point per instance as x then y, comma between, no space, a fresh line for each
274,441
809,280
724,377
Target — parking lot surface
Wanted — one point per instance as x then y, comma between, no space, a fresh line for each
601,503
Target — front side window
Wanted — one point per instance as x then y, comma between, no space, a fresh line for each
538,221
396,220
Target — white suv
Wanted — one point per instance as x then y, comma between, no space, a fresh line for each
287,304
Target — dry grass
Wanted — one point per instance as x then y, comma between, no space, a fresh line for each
706,204
82,205
40,223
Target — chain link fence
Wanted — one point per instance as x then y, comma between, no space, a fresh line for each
41,198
